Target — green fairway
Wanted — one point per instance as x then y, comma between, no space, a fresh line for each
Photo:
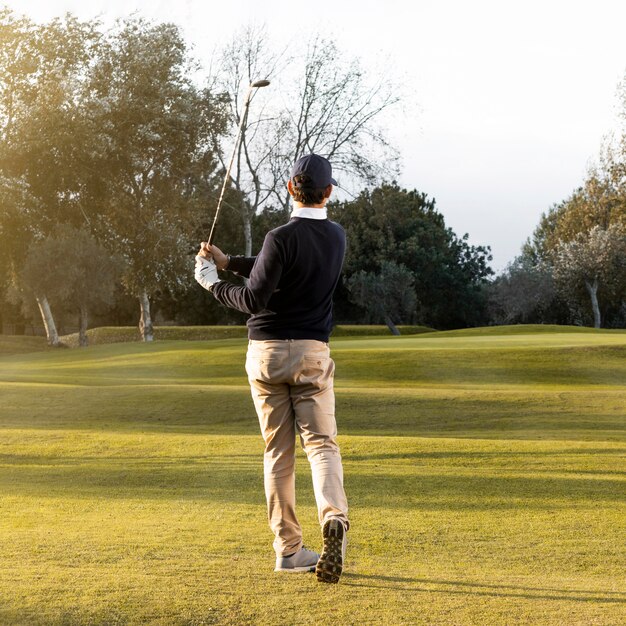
485,470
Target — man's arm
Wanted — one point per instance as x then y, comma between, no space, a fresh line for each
240,265
264,274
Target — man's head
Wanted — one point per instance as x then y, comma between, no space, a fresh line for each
311,180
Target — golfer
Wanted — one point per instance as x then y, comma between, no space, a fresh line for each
289,296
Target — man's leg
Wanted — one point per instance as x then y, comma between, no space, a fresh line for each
313,400
265,367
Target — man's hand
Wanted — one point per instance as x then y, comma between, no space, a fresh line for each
213,252
206,272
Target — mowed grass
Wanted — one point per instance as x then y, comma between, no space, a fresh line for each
486,474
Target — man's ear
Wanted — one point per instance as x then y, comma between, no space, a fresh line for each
328,191
290,187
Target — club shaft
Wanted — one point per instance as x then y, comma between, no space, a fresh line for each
242,123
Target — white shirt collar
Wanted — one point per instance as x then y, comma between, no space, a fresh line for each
308,212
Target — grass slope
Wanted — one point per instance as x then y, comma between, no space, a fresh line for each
524,329
485,476
122,334
127,334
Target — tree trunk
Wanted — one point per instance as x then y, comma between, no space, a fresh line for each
145,321
247,234
592,288
82,327
391,325
48,321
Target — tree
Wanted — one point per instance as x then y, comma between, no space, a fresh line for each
153,156
40,139
559,242
404,227
600,201
18,62
330,107
596,203
77,272
525,293
386,296
246,59
578,241
20,228
335,112
596,263
11,202
18,208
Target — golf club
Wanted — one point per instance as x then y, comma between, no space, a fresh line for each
244,115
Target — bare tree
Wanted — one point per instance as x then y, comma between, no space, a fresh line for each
335,113
246,59
320,103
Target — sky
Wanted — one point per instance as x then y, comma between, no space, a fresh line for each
505,103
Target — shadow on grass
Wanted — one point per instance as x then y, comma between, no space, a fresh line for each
400,583
239,479
597,416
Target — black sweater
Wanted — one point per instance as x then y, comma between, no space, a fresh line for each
291,281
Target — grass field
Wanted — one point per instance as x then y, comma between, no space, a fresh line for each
485,471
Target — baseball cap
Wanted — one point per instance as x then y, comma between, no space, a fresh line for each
315,166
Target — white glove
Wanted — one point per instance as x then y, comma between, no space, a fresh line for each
206,272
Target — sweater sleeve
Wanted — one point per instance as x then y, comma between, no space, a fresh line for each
241,265
264,277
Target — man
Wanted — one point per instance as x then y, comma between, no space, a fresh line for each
289,296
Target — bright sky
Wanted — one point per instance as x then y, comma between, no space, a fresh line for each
507,102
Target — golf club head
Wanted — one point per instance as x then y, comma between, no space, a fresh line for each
260,83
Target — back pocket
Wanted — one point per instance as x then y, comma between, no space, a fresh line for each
266,369
315,370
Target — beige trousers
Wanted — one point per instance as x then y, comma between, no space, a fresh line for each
292,387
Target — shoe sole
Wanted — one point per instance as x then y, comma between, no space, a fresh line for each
297,570
330,565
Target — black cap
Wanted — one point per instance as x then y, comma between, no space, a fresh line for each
318,168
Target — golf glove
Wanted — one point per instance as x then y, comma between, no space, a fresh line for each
206,272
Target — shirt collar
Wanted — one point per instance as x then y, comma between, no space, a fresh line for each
308,212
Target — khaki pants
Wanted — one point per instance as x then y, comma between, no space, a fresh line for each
292,388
